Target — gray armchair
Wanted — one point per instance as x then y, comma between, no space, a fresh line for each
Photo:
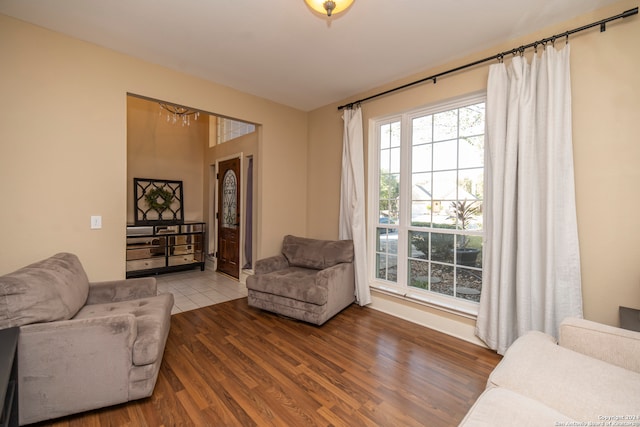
311,280
82,345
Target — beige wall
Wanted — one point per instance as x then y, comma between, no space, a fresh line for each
63,147
606,111
158,149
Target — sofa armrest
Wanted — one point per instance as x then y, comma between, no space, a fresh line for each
617,346
74,365
273,263
121,290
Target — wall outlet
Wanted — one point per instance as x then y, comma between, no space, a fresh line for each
96,222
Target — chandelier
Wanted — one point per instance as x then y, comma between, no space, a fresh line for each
329,7
176,113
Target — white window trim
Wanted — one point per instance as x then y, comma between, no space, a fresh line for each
401,289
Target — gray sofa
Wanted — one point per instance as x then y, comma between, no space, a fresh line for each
82,345
590,377
311,280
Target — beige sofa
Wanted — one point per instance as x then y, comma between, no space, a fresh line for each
590,377
311,280
82,345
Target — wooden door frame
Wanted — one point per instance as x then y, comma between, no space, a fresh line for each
214,209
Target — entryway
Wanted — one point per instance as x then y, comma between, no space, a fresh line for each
195,289
158,148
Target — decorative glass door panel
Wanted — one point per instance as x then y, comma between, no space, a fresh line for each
230,200
229,217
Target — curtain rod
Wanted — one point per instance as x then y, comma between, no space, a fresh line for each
602,23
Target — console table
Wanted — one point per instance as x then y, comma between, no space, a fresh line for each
9,377
154,249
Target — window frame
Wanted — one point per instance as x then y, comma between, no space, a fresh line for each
401,287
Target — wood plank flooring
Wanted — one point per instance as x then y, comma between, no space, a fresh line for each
232,365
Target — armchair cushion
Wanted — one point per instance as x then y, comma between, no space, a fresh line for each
151,329
45,291
316,254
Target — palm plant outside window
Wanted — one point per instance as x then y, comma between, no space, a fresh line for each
429,197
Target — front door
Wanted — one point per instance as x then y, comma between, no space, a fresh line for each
229,217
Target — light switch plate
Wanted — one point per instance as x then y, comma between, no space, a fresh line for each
96,222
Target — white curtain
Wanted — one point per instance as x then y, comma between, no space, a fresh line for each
531,271
352,201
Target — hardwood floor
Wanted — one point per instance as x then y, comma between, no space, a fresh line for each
232,365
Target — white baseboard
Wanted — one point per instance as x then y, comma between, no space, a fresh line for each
447,323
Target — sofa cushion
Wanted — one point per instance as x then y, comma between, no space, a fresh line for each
499,407
579,386
152,320
294,282
45,291
317,254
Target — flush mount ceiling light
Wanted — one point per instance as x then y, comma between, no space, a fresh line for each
329,7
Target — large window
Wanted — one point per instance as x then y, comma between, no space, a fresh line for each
427,192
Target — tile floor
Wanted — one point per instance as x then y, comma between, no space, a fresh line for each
195,289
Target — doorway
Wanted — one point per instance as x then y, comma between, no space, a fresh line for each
228,217
159,148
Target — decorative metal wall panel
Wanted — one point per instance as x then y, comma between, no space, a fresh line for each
157,201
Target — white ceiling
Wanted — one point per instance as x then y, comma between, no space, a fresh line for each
280,50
